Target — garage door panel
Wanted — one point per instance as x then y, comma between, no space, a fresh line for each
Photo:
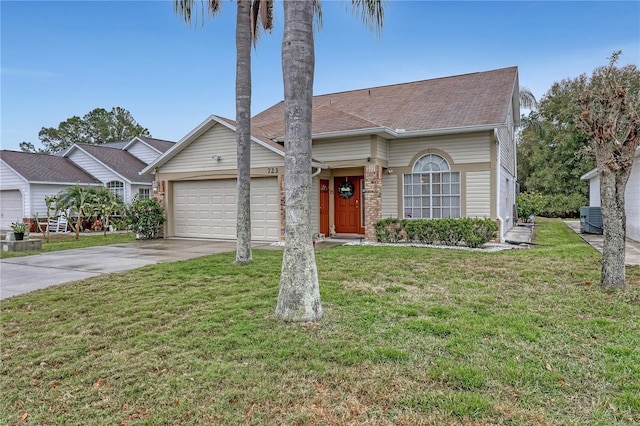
207,209
11,208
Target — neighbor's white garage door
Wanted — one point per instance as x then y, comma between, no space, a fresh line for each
207,209
10,208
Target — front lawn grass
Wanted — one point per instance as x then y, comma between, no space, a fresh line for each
68,241
410,336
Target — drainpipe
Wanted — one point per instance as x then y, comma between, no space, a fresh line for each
316,173
498,185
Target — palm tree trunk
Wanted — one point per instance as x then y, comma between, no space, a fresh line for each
299,297
243,131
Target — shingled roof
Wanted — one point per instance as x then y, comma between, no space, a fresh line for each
46,168
122,162
159,144
469,100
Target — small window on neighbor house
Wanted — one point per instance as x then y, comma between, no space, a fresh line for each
144,193
431,190
117,188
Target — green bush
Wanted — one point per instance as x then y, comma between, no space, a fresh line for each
450,232
145,218
561,205
389,230
530,203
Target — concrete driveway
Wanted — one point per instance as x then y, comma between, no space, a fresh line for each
24,274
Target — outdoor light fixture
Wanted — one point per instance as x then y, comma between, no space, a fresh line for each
217,157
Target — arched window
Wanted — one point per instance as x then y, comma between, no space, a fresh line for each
431,190
117,188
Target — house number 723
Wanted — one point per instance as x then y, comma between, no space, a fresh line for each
272,170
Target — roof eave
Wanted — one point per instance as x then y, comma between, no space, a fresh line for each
403,134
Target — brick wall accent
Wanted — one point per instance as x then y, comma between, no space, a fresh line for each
159,194
372,199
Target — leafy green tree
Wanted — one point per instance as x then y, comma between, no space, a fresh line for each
96,127
299,295
553,154
609,114
246,33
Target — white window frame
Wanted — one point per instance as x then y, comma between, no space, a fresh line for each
116,187
144,193
431,190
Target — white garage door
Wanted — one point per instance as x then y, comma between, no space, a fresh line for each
207,209
10,208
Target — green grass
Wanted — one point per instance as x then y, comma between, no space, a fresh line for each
410,336
68,241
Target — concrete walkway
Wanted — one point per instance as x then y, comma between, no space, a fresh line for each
631,250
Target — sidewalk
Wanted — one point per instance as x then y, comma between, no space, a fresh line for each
632,248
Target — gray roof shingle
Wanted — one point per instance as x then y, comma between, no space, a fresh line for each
122,162
468,100
46,168
159,144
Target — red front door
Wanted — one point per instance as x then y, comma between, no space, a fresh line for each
324,207
347,204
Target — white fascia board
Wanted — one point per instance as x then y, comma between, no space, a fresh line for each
66,183
137,139
14,171
253,139
180,145
193,135
589,175
102,164
399,134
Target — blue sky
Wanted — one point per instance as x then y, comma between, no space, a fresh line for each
60,59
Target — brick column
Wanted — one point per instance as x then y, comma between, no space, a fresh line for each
372,199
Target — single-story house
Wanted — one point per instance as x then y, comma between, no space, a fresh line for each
435,148
631,196
26,178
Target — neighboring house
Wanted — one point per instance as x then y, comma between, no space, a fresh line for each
428,149
26,178
631,196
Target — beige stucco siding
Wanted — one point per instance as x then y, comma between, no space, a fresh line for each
221,141
342,149
478,194
390,195
466,148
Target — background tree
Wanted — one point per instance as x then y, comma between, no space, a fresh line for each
610,116
299,295
96,127
246,33
553,154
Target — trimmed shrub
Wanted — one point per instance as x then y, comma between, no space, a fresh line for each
450,232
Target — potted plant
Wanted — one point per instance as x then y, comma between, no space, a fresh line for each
19,229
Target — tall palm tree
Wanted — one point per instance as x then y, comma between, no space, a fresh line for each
527,99
299,295
249,13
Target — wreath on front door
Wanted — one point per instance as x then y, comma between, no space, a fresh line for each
345,189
